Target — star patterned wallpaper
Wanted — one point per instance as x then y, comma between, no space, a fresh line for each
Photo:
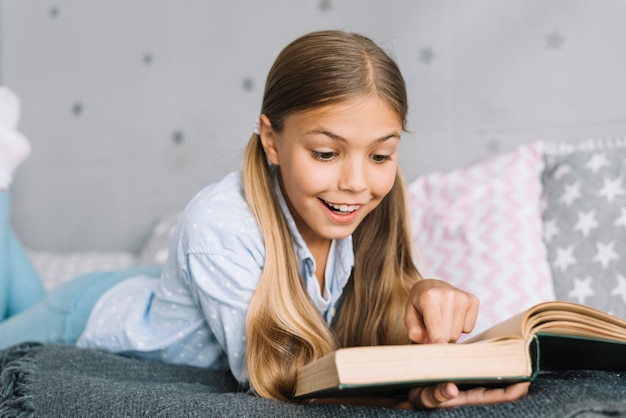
138,105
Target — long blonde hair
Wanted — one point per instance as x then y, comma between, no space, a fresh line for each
284,329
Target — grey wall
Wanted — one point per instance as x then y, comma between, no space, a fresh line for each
132,106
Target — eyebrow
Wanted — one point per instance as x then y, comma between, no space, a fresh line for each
342,139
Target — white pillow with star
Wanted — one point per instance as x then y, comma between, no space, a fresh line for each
584,218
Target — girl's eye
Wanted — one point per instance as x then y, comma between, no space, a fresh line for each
381,158
324,156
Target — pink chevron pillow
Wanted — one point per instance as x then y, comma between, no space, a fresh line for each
480,229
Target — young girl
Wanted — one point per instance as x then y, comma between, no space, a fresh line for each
306,250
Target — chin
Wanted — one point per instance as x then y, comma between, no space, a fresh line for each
337,235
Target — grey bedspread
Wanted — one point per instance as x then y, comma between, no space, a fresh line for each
62,381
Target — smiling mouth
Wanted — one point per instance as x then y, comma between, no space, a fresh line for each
338,208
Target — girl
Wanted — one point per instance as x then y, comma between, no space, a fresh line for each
305,250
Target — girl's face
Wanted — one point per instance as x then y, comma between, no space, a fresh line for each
336,163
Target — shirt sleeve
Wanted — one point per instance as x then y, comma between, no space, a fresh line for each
218,256
223,284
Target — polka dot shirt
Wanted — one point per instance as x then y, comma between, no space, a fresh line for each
194,313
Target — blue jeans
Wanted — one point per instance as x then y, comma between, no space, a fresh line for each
20,287
29,314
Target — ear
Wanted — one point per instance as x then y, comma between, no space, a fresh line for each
268,139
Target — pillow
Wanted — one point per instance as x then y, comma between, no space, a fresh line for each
480,229
156,248
585,221
55,267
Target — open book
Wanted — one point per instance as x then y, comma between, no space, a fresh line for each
548,336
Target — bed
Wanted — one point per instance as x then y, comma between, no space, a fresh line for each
499,229
61,381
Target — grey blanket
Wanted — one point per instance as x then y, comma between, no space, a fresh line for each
62,381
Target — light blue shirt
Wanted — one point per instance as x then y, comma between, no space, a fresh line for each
195,313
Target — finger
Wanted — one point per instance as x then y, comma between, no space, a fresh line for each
462,316
423,313
429,397
487,396
414,325
444,315
443,327
471,314
437,322
443,312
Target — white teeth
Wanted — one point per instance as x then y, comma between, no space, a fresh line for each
343,208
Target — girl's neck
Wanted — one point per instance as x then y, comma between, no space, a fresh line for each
320,254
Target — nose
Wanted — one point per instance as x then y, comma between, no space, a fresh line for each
353,176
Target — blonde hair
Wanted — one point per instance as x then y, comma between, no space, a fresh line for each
284,328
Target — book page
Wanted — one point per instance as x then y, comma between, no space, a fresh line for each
567,318
557,317
511,328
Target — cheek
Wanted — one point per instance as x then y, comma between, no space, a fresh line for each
383,184
311,177
300,182
302,177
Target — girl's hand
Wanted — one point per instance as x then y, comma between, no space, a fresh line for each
438,312
447,395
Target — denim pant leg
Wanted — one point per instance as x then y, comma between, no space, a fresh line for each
20,286
4,255
61,317
25,287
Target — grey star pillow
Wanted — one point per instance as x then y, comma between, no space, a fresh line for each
584,221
